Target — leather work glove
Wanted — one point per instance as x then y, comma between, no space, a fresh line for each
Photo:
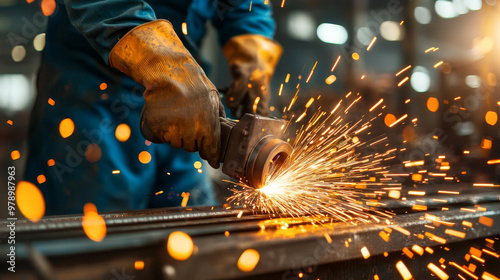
182,106
252,60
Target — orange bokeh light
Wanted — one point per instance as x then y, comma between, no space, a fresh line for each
248,260
103,86
432,104
491,118
93,224
180,245
144,157
15,154
30,201
66,128
139,265
93,153
41,179
122,132
48,7
389,119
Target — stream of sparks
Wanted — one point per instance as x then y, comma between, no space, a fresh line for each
331,172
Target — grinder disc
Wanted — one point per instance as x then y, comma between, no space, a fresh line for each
269,152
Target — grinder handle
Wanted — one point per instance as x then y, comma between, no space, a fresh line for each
226,125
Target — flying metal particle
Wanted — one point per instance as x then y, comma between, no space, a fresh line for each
403,270
437,271
365,252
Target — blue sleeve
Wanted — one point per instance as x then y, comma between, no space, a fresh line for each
104,22
232,19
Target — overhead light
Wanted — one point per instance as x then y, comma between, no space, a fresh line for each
18,53
39,42
460,7
422,15
473,5
420,80
332,33
300,26
445,9
16,92
392,31
473,81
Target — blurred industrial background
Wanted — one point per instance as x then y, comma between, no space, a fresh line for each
453,48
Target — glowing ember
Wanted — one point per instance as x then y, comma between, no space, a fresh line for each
184,28
180,246
93,224
66,128
185,198
144,157
248,260
437,271
365,252
197,164
139,265
48,7
403,270
41,179
15,155
30,201
122,132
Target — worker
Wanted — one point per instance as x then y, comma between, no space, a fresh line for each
112,67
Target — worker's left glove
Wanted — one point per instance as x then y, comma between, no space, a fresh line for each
252,60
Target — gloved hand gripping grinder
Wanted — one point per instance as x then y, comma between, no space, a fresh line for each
251,148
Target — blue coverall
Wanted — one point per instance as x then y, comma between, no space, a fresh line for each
74,63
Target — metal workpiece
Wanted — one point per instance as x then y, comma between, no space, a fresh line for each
286,245
252,147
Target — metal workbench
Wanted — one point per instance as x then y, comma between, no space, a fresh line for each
57,247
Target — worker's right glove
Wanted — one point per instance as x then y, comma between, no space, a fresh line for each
252,60
182,107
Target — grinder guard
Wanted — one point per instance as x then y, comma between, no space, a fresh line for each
251,147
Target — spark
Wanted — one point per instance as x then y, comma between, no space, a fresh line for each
398,120
414,163
484,185
402,70
403,270
488,276
335,64
494,161
311,73
438,64
184,28
437,271
403,81
255,103
185,198
365,252
281,90
376,104
371,43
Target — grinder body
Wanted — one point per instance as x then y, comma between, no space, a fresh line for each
252,147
